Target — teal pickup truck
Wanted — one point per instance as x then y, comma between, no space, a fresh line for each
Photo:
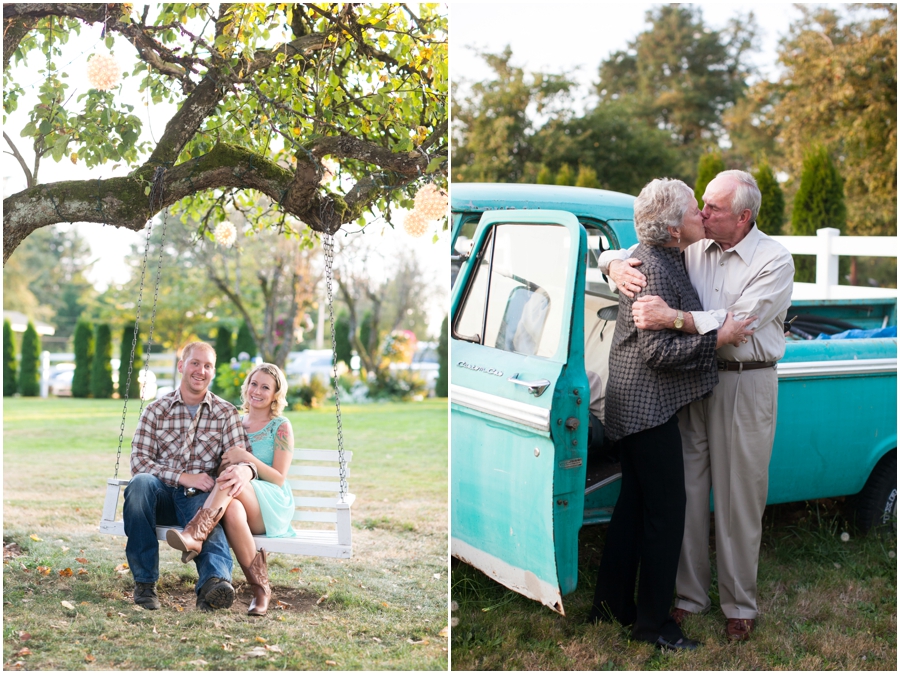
532,323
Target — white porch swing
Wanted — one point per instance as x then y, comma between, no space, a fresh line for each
317,496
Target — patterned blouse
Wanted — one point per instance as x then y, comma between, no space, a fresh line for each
654,373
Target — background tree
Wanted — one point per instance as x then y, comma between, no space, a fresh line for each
245,342
343,347
708,167
101,367
9,360
587,177
264,92
565,175
771,210
819,203
545,176
29,367
441,385
128,337
84,358
224,351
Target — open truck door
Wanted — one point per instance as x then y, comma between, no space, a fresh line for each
519,402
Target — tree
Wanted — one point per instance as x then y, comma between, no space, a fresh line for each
771,210
681,75
343,347
264,93
709,166
494,129
9,360
839,90
29,368
84,357
128,338
223,349
545,176
245,342
441,385
101,367
565,175
587,177
819,203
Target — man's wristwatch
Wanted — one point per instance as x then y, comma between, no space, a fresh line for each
679,319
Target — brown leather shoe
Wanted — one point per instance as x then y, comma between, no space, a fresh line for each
257,575
738,629
679,614
190,541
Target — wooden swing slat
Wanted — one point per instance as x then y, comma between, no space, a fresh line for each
316,471
315,542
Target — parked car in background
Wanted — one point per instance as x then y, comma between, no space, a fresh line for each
61,379
302,365
425,364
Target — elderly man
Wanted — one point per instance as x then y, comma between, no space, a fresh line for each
727,438
175,452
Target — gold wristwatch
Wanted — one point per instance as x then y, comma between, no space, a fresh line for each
679,320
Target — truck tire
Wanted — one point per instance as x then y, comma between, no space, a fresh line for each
876,504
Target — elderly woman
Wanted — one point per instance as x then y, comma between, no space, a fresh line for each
652,374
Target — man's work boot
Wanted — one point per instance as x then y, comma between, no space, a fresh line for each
145,595
190,541
215,594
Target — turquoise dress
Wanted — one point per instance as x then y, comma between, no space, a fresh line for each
276,503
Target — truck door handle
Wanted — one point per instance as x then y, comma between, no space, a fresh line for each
537,387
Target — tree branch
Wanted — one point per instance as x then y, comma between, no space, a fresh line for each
29,178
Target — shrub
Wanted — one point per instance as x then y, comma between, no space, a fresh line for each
403,385
342,338
771,210
245,342
231,378
441,385
9,360
709,166
29,375
310,395
84,356
129,337
224,352
101,368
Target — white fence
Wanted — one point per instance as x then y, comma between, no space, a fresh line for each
827,246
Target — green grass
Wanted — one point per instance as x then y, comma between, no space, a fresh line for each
824,604
382,609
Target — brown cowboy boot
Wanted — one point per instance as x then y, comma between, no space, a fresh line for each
257,574
190,541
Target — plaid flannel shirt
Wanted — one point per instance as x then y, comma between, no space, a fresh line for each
158,444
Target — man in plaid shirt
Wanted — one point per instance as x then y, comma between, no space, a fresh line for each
175,452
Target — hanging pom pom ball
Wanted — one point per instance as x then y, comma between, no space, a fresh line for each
103,72
431,202
225,234
414,224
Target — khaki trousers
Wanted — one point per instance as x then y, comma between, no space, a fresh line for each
727,442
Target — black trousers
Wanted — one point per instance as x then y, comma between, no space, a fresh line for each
646,530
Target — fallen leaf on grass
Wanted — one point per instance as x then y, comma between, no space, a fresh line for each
330,662
82,572
321,599
274,648
35,538
258,652
385,604
81,560
282,604
437,575
89,658
66,572
179,608
122,567
44,570
67,605
65,549
121,615
18,664
296,569
183,639
226,647
376,640
444,632
23,652
261,640
198,663
154,630
24,636
417,643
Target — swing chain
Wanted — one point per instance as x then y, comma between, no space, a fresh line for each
328,246
155,196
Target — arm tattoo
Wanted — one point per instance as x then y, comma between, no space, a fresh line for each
283,438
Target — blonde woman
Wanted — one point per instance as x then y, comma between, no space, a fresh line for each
269,506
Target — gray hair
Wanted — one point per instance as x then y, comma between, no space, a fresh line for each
746,194
660,205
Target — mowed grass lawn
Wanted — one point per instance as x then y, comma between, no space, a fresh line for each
825,604
386,608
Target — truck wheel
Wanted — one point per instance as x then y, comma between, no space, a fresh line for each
876,504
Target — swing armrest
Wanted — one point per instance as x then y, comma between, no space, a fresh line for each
119,482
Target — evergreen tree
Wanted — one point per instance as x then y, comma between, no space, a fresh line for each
84,357
244,342
709,166
128,337
224,352
771,210
101,368
9,360
545,176
441,385
819,203
587,177
342,338
565,176
29,370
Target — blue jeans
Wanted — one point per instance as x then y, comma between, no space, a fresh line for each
150,502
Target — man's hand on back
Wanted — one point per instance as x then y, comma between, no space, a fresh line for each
627,279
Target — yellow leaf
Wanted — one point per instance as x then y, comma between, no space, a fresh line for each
82,572
330,662
44,570
261,640
89,658
35,538
81,560
74,157
65,572
122,567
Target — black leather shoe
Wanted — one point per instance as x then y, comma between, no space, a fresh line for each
683,644
145,595
215,594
